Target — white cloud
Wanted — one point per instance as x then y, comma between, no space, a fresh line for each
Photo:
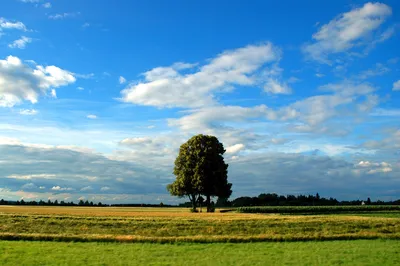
63,15
88,188
58,188
235,148
29,186
28,112
47,5
373,168
6,24
19,82
348,88
105,189
135,141
275,87
33,176
379,70
319,75
380,170
195,89
92,116
80,88
396,86
53,93
30,1
346,31
200,119
121,80
20,43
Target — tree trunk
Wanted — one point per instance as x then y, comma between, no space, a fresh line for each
193,200
208,203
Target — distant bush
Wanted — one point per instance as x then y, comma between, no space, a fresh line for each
317,209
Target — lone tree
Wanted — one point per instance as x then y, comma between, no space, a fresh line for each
200,170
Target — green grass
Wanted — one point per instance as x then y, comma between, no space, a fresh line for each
356,252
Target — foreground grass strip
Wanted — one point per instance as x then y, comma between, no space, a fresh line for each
191,239
356,252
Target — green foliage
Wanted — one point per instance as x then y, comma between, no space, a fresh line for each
318,209
200,170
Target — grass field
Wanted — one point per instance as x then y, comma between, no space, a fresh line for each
355,252
173,235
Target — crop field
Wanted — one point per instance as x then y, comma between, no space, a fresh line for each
151,230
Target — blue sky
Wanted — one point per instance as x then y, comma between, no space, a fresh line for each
97,96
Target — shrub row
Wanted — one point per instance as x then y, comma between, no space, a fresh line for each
318,209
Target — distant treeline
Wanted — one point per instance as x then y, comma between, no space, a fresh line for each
52,203
264,199
80,203
272,199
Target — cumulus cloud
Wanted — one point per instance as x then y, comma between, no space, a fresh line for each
47,5
7,25
189,87
347,31
373,168
19,82
275,87
396,86
235,148
20,43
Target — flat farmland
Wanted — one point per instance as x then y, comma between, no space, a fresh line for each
36,235
170,225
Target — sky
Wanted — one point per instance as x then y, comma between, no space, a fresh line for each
96,96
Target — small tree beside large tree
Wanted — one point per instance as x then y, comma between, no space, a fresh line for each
200,170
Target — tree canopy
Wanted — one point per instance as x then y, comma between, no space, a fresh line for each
200,170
